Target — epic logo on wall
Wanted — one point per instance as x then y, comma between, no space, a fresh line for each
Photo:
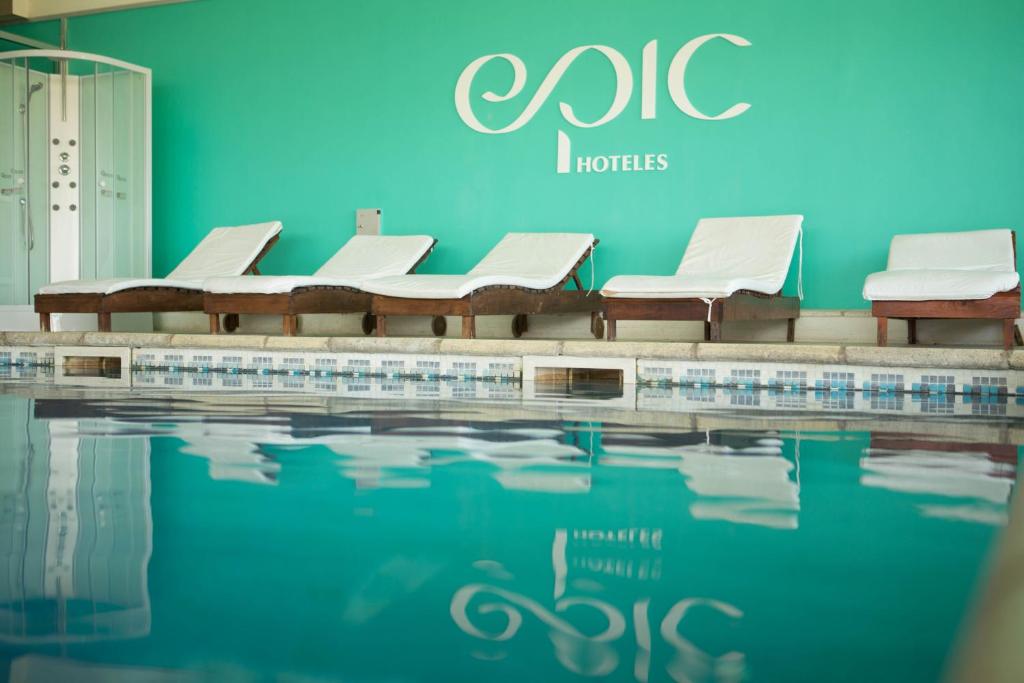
623,94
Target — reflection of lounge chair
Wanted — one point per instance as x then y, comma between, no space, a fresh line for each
733,269
964,474
523,275
335,288
224,251
745,483
948,275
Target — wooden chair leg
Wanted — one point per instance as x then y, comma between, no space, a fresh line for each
716,331
707,331
912,331
469,327
1008,335
103,322
382,325
883,331
791,329
44,322
611,329
214,323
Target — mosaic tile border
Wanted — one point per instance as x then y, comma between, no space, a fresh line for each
356,386
324,364
649,398
792,377
830,378
26,356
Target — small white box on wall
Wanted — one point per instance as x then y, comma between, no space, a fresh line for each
368,221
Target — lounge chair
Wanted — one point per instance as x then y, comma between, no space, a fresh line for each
948,275
733,269
224,251
335,288
523,275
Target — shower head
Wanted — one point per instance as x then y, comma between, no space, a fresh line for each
32,90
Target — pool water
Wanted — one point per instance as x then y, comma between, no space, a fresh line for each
247,538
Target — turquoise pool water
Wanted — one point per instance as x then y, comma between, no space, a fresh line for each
288,538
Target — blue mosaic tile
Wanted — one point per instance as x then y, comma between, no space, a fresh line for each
836,380
934,384
789,379
884,382
743,377
701,377
986,386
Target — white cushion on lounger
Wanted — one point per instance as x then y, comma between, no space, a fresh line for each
273,284
945,267
224,251
724,256
676,286
538,260
932,285
115,285
971,250
362,257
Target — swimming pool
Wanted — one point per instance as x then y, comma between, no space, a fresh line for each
207,536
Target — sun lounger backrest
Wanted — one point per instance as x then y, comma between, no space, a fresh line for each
541,256
974,250
753,248
369,256
225,252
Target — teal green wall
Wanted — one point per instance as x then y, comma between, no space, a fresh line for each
869,118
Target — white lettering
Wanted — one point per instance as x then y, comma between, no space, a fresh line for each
623,89
677,78
615,163
648,76
564,153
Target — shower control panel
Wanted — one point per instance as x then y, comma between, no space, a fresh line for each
65,179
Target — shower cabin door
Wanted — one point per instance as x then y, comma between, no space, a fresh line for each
24,258
75,183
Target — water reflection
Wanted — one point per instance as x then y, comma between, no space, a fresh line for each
75,532
303,539
981,475
738,476
595,650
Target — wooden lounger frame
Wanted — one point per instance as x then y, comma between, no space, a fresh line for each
135,300
299,301
519,302
1003,306
742,305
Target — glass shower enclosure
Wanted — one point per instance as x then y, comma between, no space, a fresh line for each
75,178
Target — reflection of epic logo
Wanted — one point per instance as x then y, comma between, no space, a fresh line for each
623,90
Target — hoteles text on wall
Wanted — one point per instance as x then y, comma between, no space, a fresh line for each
657,161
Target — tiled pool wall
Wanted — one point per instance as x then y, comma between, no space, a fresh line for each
793,377
832,379
296,363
